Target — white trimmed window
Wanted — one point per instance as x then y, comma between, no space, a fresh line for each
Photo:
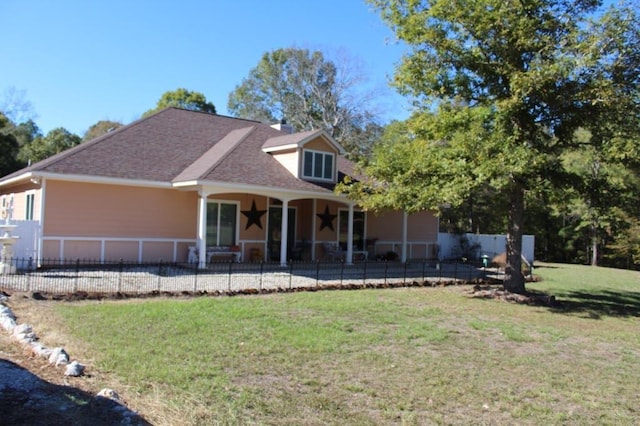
318,165
30,205
222,220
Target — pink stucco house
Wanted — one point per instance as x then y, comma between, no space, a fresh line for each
188,186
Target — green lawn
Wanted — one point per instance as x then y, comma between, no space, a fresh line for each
396,356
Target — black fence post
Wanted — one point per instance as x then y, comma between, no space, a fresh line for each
195,278
424,265
471,268
261,273
120,269
317,272
341,271
75,283
404,278
159,274
364,274
29,267
290,272
455,273
386,268
230,272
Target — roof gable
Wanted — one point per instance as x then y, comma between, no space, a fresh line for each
298,140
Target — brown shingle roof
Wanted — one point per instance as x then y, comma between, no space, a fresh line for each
214,156
176,145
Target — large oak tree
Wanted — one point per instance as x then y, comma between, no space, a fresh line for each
501,87
100,128
183,98
54,142
310,92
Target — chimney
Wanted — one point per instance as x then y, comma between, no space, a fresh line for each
283,126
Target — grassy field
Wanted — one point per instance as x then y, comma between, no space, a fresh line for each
396,356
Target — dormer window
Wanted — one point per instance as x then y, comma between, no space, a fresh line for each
318,165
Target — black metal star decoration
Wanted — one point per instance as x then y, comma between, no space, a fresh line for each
253,216
327,218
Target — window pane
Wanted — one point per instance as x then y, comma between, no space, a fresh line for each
212,224
328,166
317,166
308,164
30,205
227,230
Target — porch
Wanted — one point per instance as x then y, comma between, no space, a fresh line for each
272,228
201,227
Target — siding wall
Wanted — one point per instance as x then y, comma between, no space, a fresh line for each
118,211
111,222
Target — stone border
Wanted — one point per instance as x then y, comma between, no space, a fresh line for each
24,334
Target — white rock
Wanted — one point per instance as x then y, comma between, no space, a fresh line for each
109,393
74,369
5,311
58,357
39,350
22,329
9,324
26,338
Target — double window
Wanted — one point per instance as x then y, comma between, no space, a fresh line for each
221,223
318,165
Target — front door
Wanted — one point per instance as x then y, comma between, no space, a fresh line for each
275,231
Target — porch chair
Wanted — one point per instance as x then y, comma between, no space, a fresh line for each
193,254
332,251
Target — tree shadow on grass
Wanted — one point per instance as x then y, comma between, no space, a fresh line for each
599,304
26,399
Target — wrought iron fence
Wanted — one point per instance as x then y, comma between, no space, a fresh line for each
90,276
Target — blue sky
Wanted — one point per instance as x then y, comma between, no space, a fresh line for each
80,61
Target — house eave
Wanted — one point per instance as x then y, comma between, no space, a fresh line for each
281,148
303,141
19,179
100,180
213,187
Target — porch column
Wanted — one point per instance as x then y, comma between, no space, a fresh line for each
201,242
40,228
349,258
313,229
284,233
404,235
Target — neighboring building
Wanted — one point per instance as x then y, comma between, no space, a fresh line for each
179,179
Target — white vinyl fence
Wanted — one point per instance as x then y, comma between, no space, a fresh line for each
27,232
473,246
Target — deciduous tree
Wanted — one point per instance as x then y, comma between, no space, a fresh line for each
310,92
501,88
100,128
183,98
56,141
9,147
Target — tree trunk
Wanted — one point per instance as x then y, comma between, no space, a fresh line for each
514,278
594,246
